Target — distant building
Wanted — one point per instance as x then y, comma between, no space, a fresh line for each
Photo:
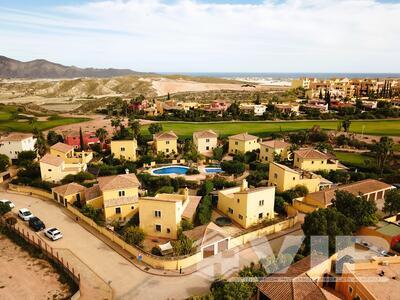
314,160
247,206
89,138
14,143
242,143
285,178
161,215
124,149
166,142
205,141
268,150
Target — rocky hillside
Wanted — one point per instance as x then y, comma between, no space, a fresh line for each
40,68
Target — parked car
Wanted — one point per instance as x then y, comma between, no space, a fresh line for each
5,201
25,214
53,233
36,224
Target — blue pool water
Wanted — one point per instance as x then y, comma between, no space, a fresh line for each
213,170
171,170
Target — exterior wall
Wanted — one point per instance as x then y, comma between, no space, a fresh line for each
70,199
96,202
246,207
166,146
203,143
170,217
12,148
113,194
352,283
51,173
88,139
236,146
124,149
61,154
285,180
127,211
313,164
267,153
304,207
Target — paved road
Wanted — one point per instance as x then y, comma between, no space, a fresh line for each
127,281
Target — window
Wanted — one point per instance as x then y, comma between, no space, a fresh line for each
207,147
261,202
167,150
158,227
322,162
312,162
240,217
168,230
118,210
230,210
350,290
238,200
207,140
122,149
294,178
260,215
157,213
298,159
275,175
132,207
49,170
167,142
121,193
236,143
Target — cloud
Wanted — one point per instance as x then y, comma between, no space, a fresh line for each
185,35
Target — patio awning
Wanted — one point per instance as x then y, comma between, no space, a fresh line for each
165,247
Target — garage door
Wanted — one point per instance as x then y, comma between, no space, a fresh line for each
222,246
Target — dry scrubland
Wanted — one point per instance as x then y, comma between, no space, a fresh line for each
25,277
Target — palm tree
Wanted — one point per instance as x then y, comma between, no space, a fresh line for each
135,126
383,150
101,133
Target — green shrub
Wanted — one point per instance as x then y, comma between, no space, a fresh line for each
134,235
156,251
204,210
233,167
92,213
4,208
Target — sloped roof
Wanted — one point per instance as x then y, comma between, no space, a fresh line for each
118,182
69,189
311,154
275,144
243,137
206,234
92,192
299,285
52,160
191,207
286,168
16,136
62,147
363,187
168,135
205,134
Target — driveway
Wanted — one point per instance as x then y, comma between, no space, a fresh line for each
127,281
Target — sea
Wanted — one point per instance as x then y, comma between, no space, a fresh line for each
284,79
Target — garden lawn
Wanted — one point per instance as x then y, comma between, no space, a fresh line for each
354,159
262,129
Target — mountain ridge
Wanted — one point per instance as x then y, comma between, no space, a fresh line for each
42,68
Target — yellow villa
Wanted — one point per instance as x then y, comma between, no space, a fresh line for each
161,215
285,178
243,143
117,196
247,206
205,141
314,160
124,149
268,150
69,155
166,142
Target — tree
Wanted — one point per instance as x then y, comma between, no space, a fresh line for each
233,167
327,222
206,188
81,140
4,208
183,246
218,153
257,101
392,202
204,210
134,235
359,209
346,124
4,162
25,158
320,95
135,126
186,225
40,145
383,150
116,122
92,213
54,138
155,128
279,206
101,133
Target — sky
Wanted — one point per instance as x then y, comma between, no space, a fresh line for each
206,35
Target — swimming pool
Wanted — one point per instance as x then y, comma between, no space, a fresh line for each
213,169
170,170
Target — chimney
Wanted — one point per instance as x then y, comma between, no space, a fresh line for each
244,185
186,193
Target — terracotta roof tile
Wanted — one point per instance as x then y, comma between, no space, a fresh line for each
52,160
191,207
275,144
16,136
311,154
243,137
69,189
205,134
162,136
118,182
92,192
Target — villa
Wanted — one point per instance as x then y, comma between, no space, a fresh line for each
285,178
368,188
205,141
124,149
314,160
62,161
117,196
14,143
74,139
247,206
161,215
166,142
242,143
268,150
